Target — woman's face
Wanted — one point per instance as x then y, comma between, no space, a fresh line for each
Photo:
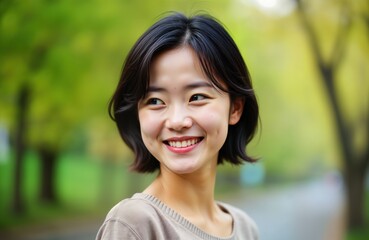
184,119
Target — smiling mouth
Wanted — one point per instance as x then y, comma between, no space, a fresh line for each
183,143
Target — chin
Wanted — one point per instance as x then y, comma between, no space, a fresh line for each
181,170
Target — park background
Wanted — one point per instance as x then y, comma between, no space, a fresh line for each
63,165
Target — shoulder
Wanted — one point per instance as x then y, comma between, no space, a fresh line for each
238,214
132,210
130,219
244,225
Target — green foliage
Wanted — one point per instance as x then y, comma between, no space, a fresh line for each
70,53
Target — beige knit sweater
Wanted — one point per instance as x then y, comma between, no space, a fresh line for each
145,217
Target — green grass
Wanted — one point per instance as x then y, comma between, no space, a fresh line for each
85,187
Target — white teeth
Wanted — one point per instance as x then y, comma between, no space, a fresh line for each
182,144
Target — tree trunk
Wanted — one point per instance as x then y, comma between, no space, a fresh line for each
48,159
355,187
354,167
354,171
20,133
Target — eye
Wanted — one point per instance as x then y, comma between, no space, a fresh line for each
197,97
154,101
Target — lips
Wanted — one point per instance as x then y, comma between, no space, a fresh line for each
183,143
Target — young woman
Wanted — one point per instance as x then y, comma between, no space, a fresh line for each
184,104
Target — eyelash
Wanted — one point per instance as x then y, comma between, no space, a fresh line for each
158,102
154,101
202,97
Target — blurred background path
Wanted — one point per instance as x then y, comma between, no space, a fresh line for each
311,210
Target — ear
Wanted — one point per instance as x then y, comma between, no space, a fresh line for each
236,110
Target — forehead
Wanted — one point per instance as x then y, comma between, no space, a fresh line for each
176,61
181,63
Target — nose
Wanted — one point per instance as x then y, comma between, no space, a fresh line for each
178,119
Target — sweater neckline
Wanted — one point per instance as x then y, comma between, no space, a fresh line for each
165,209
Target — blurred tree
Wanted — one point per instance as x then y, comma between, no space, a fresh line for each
355,159
44,49
68,54
22,106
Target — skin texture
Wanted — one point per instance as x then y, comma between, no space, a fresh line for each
184,122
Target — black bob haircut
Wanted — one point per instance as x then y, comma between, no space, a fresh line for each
221,61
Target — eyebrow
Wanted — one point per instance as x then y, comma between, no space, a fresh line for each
187,87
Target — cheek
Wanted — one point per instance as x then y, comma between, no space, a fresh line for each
150,125
215,122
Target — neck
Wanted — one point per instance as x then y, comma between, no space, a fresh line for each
189,194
